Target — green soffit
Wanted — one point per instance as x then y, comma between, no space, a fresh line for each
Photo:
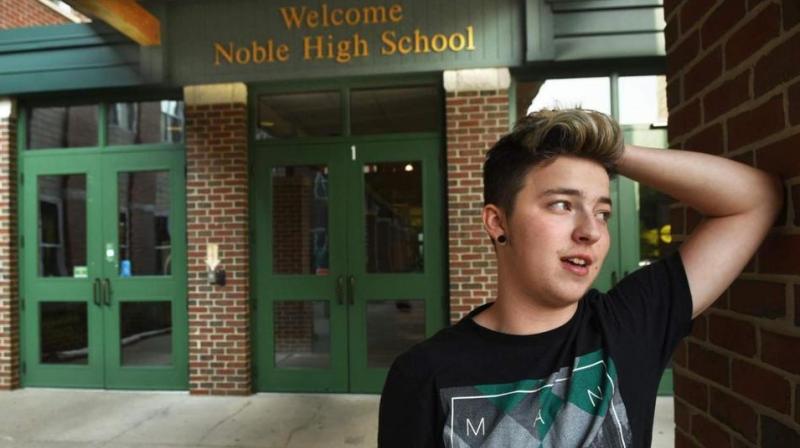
67,57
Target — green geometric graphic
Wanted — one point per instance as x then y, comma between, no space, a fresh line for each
568,408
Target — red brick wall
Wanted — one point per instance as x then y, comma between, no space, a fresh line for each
475,120
734,90
9,313
25,13
217,212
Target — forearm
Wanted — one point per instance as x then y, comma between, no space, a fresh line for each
712,185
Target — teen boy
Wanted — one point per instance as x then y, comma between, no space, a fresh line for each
550,362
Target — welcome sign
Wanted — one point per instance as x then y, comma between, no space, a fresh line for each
322,46
248,40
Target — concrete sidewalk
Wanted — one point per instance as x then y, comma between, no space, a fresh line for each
58,418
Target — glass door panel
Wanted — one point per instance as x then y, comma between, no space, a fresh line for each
299,268
392,327
146,334
143,235
393,216
394,253
302,337
62,313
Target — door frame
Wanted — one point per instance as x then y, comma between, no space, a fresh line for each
179,379
354,376
436,318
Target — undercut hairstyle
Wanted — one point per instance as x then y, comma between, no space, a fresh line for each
539,138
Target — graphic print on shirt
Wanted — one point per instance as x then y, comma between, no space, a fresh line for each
577,406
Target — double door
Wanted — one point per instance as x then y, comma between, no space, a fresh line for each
104,277
348,260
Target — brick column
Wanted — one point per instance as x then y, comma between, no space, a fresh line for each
734,90
9,296
217,212
477,115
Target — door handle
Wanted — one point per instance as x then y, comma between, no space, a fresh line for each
340,289
96,292
107,292
351,291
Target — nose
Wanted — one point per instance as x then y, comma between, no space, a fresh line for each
588,229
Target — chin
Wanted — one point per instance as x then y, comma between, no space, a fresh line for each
573,296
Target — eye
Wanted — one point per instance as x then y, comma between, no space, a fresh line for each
605,215
561,205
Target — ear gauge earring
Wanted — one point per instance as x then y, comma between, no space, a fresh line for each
502,240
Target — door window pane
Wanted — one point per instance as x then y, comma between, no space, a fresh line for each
655,228
393,326
302,334
393,216
146,333
62,127
145,122
391,110
64,336
300,220
289,115
62,225
145,245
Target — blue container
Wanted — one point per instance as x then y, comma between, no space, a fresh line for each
125,268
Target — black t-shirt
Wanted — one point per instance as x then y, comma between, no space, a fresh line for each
590,382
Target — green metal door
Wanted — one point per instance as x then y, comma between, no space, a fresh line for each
61,306
299,268
104,270
394,252
347,260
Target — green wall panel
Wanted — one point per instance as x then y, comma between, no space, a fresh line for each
574,30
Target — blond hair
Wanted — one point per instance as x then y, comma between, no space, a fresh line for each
542,136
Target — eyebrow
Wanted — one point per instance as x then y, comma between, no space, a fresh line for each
573,192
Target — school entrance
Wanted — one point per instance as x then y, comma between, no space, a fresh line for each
103,249
348,241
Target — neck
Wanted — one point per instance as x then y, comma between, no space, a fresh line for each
518,314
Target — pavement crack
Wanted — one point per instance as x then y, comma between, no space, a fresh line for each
158,413
224,420
304,425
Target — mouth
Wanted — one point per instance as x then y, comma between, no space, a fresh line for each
577,264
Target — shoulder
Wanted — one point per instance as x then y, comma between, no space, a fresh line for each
429,356
665,275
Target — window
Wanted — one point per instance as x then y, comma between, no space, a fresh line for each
125,123
145,122
351,111
643,100
586,93
62,127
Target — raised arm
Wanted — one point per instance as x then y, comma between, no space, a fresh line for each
740,204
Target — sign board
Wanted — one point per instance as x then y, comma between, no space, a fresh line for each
250,40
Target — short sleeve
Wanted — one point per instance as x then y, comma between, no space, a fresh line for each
650,310
407,414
